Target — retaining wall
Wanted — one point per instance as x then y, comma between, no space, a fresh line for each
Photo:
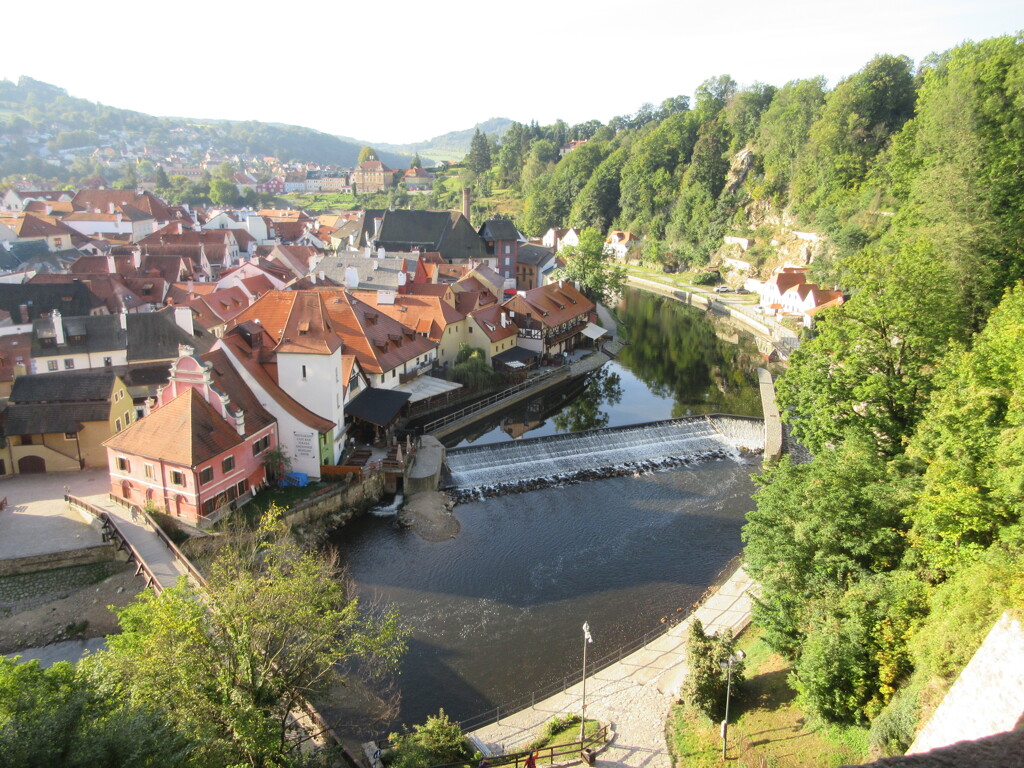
987,698
96,554
344,498
772,418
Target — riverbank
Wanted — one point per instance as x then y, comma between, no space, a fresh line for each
635,694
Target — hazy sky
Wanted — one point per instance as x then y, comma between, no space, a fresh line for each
405,70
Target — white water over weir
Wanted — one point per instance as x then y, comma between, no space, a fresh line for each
525,464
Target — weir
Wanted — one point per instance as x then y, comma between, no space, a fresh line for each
504,467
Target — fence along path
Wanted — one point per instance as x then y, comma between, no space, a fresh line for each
634,694
154,554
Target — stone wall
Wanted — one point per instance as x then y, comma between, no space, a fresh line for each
987,698
345,499
772,418
50,560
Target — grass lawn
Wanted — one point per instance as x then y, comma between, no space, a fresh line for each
567,734
766,727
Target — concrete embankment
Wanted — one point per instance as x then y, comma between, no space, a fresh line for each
633,695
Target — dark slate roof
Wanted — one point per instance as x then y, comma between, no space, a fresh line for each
366,231
461,242
155,336
516,354
100,333
533,255
8,261
405,230
42,298
65,387
50,418
377,406
499,229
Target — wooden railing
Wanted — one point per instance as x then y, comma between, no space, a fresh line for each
549,755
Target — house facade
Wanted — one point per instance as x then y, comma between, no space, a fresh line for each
550,319
197,454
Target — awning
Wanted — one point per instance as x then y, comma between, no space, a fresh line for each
377,406
423,387
592,331
516,355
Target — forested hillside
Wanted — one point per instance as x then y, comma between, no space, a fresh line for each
885,560
29,109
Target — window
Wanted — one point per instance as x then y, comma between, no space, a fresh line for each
69,363
108,361
177,477
508,249
303,371
123,464
149,471
117,425
69,435
242,487
51,365
261,445
228,464
205,475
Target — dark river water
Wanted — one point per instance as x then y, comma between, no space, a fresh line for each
497,611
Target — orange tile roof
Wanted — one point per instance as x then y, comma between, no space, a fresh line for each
489,319
424,314
186,431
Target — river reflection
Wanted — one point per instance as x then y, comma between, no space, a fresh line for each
677,362
679,352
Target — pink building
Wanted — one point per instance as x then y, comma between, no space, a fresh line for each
199,452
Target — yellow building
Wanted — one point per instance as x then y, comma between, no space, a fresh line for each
58,421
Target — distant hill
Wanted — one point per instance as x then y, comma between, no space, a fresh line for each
451,146
37,112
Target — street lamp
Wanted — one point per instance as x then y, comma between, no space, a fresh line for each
583,717
726,665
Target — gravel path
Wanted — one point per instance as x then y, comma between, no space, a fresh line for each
633,695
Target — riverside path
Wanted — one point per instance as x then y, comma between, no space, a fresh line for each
633,695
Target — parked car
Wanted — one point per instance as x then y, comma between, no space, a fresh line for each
743,291
722,289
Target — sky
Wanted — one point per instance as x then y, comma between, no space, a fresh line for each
402,71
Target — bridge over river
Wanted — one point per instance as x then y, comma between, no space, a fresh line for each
534,462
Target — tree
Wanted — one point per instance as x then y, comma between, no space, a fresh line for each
59,717
819,527
416,162
272,626
472,370
705,685
162,182
594,269
436,742
972,438
366,153
871,365
479,157
223,192
128,180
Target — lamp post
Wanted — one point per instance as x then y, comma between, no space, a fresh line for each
583,717
726,665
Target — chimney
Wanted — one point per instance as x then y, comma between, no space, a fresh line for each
122,319
465,203
376,265
351,278
367,252
110,207
111,267
137,258
504,320
240,422
381,253
322,275
401,278
183,319
58,326
23,308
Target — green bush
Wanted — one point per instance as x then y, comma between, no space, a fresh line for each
892,731
706,278
706,684
437,741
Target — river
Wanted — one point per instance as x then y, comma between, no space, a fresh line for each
496,612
